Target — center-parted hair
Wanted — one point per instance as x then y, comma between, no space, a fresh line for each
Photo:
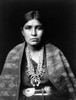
34,15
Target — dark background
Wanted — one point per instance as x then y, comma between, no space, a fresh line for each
61,18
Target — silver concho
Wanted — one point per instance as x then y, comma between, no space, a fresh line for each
29,92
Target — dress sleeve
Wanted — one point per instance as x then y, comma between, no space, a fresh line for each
70,77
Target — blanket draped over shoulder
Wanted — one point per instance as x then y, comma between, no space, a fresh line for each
59,72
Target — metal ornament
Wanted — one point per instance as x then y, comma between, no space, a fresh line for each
29,92
35,76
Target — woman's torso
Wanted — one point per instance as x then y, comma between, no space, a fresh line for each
25,83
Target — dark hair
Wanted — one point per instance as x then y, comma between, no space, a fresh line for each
34,15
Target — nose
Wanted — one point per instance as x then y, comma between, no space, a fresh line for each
34,32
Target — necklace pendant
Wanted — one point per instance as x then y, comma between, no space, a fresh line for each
35,77
38,83
35,82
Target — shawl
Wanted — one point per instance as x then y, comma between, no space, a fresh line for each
59,72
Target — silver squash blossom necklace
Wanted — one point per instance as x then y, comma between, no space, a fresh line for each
35,76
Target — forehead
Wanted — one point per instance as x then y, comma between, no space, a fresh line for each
33,22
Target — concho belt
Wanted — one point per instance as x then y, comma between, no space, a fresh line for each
32,91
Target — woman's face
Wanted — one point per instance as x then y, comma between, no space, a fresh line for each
33,32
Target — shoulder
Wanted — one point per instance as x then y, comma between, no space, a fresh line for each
16,51
17,48
50,48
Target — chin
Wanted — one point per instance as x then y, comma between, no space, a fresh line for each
34,44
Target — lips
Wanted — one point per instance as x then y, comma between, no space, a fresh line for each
34,39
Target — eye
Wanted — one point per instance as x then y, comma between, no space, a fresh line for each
39,27
28,27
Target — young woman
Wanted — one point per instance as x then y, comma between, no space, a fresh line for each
34,70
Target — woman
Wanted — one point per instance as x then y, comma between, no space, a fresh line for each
35,70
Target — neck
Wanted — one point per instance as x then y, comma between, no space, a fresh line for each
35,48
34,52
